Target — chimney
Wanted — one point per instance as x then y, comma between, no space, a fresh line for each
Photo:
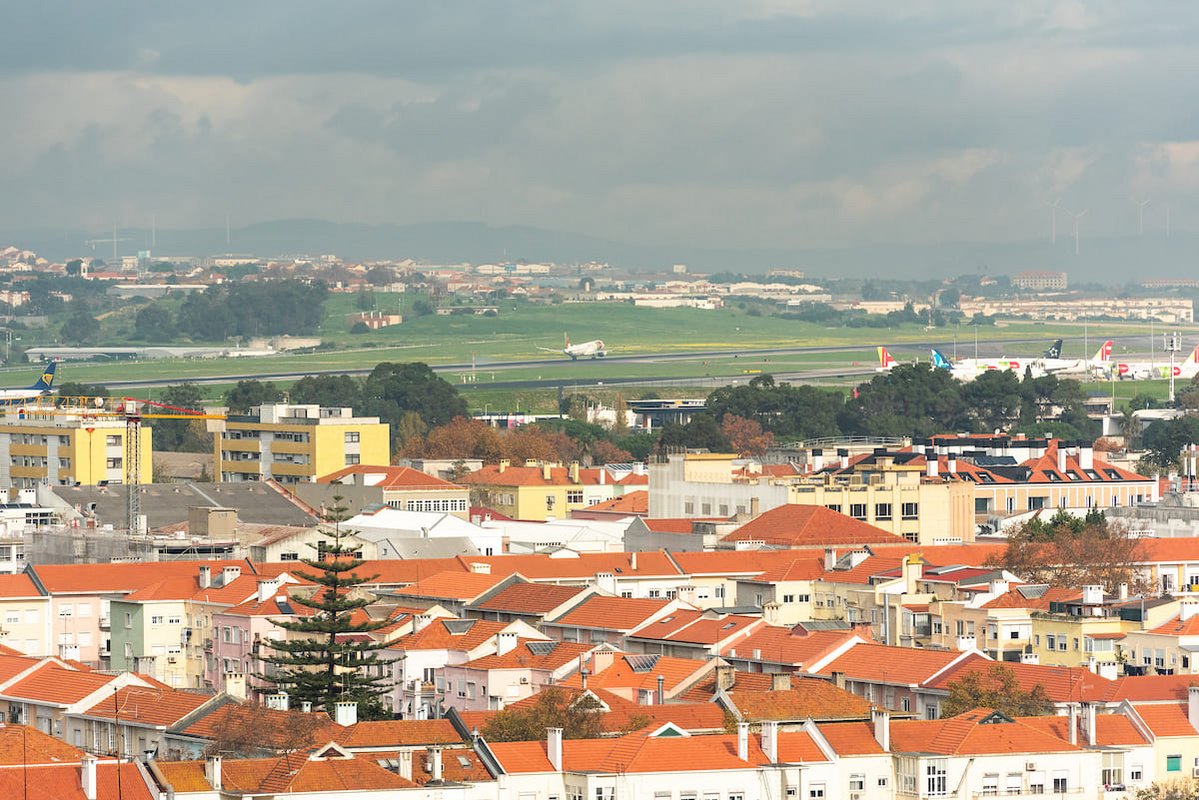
480,568
583,673
951,465
770,741
817,459
212,772
1061,457
633,560
266,589
1193,706
504,464
880,719
755,507
839,680
1187,608
421,621
235,685
1092,594
830,558
435,764
606,582
505,642
1122,591
842,457
1073,724
405,759
345,713
229,575
1089,714
553,747
1086,455
726,676
913,571
574,472
780,682
743,741
277,702
661,699
205,576
603,476
931,465
306,706
88,777
547,471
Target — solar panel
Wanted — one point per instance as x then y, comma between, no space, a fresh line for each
641,663
542,648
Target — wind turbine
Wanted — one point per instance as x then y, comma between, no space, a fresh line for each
1053,217
1141,215
1077,218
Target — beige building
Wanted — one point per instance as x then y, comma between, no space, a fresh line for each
402,488
1039,279
1164,309
67,447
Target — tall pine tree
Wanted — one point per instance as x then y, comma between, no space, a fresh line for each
331,660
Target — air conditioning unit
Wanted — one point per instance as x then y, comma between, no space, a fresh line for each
524,680
1029,766
855,796
171,660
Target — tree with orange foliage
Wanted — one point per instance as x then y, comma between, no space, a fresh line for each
459,438
746,435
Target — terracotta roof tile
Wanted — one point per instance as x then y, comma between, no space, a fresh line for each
1179,627
790,646
1014,599
122,577
491,475
20,744
805,526
895,665
629,503
627,672
62,782
1062,684
1166,719
530,598
1111,730
452,768
53,684
386,477
851,738
453,585
398,733
150,706
610,613
977,732
544,656
293,773
443,634
1165,688
812,697
234,714
18,585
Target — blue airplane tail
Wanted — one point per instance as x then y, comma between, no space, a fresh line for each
46,380
940,361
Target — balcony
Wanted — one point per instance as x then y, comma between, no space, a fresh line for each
105,623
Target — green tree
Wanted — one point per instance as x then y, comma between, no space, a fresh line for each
1069,551
365,300
80,327
910,400
185,435
703,431
76,389
620,408
325,661
1165,439
994,398
392,389
154,323
380,275
249,394
1169,789
328,390
996,687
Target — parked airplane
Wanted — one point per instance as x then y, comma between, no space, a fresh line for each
593,349
969,369
1097,365
42,386
1146,370
886,362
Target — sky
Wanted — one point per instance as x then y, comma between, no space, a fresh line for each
756,123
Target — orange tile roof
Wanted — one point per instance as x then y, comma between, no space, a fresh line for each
622,675
13,665
886,664
1140,688
1169,549
187,587
805,526
51,683
451,768
623,714
403,571
62,782
1179,627
492,475
398,733
122,577
1111,730
669,525
392,477
977,732
744,562
525,657
149,706
1061,684
529,598
813,697
276,605
453,585
610,613
863,572
233,714
629,503
791,646
438,635
1040,467
21,744
1014,599
287,774
18,585
1166,719
851,738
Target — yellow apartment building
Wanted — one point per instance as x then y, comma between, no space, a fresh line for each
540,491
1079,633
66,448
296,443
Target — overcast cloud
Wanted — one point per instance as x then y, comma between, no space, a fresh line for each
706,122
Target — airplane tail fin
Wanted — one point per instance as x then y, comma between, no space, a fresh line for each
885,360
566,336
940,361
1193,358
1054,351
46,380
1103,354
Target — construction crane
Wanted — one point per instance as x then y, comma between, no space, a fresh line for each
114,240
132,410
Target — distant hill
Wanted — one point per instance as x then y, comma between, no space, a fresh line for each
1115,260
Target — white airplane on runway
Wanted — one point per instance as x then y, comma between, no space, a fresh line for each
886,361
593,349
1099,364
969,369
42,386
1147,370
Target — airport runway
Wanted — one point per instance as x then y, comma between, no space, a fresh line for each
965,349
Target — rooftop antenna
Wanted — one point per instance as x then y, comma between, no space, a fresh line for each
153,231
226,228
1077,219
1141,215
1053,219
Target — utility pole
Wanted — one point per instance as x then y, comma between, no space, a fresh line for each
1172,343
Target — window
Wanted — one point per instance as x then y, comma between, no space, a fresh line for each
857,510
1036,783
1051,641
1014,783
991,783
1136,772
1112,773
574,496
857,782
574,792
174,620
12,618
688,508
128,619
936,777
1174,763
351,437
289,556
906,770
353,458
1060,781
66,610
882,511
834,507
882,781
816,791
788,598
84,609
605,793
910,510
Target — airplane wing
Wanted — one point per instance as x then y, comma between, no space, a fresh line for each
551,349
